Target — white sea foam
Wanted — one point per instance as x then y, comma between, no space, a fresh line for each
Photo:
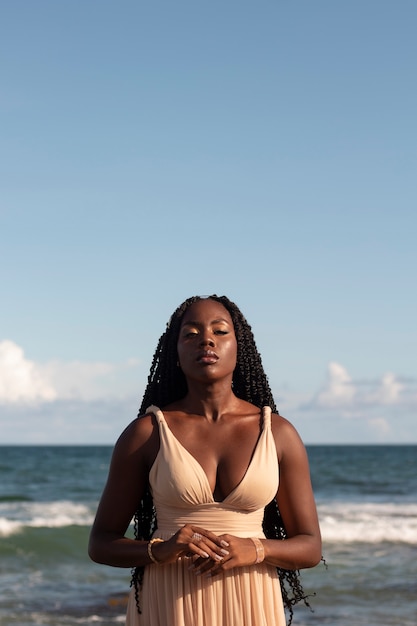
368,522
340,522
9,527
16,516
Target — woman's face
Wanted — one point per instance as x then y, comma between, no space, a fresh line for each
207,346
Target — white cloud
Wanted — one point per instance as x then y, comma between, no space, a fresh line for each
21,380
349,410
338,390
342,392
388,391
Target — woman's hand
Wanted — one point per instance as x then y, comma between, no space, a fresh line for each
191,541
240,552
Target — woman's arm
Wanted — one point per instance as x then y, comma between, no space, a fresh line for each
296,503
133,454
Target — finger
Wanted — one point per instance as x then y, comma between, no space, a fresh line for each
197,530
197,545
202,567
215,569
205,547
209,542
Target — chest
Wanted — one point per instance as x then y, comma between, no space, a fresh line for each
224,450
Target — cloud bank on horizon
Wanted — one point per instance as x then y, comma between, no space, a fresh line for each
91,402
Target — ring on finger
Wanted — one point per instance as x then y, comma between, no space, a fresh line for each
196,537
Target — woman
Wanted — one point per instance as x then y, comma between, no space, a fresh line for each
235,512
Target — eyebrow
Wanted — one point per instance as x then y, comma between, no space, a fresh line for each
216,321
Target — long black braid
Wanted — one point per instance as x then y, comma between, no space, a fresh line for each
167,383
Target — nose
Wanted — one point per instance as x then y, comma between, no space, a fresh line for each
206,339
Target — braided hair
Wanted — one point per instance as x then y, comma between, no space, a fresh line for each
167,383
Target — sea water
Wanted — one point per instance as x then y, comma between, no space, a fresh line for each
367,503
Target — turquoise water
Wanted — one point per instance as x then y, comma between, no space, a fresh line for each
367,502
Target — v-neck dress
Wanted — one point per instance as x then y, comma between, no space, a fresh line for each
171,594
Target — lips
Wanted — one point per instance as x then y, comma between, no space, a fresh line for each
208,356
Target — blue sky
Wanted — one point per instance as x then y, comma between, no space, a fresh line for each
152,151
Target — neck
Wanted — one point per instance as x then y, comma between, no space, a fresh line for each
212,401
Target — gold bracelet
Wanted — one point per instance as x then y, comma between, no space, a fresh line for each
260,550
151,556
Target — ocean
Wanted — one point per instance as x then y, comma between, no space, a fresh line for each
367,503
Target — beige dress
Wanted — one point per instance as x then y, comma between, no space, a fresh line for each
172,595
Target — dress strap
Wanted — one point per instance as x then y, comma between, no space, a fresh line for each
266,414
157,412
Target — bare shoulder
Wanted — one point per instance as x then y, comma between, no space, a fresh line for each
133,455
139,439
287,439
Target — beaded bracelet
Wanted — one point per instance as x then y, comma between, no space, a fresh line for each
260,551
151,556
